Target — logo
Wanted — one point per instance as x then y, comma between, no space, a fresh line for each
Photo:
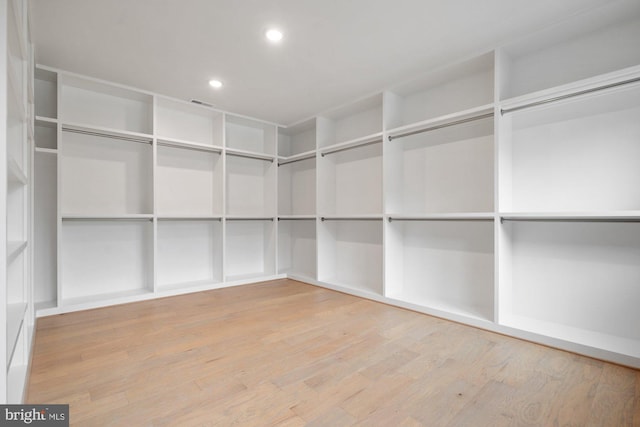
34,415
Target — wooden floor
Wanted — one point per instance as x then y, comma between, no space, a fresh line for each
290,354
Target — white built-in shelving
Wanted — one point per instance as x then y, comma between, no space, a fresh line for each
16,163
500,191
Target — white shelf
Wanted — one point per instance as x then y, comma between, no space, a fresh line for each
282,161
297,140
188,252
189,217
579,154
101,131
46,121
245,135
179,143
350,254
104,176
191,125
15,318
53,151
102,299
454,88
454,216
572,216
15,248
105,106
354,143
297,247
350,182
15,173
350,123
250,249
249,154
351,217
248,218
188,182
297,187
443,265
71,216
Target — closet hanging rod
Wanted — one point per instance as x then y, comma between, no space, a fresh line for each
391,219
189,147
286,162
250,156
444,125
575,219
295,219
349,219
569,95
107,135
351,147
251,219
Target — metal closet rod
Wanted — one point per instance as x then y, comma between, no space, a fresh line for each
349,219
189,147
249,156
295,219
351,147
391,219
569,95
107,135
286,162
560,219
444,125
250,219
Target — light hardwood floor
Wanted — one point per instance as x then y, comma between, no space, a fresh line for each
289,354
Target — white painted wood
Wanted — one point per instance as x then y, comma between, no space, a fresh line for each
297,139
590,44
46,93
45,229
296,188
189,252
250,135
250,186
297,247
102,175
45,134
576,277
180,120
448,170
250,249
96,104
446,265
350,254
102,258
576,155
188,182
351,122
443,91
350,181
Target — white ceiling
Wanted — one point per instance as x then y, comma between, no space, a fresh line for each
334,51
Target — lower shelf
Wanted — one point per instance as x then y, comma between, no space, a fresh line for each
102,299
472,311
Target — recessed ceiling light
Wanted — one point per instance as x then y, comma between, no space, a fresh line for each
274,35
215,84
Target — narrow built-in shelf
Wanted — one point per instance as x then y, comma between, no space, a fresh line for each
108,132
465,216
41,120
573,89
15,173
476,113
571,216
46,150
179,143
297,157
15,317
354,143
14,248
249,154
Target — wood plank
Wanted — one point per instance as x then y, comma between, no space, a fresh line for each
290,354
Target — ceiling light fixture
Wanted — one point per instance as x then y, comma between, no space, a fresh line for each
217,84
274,35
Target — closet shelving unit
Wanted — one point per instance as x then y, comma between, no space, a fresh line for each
297,243
500,191
16,296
